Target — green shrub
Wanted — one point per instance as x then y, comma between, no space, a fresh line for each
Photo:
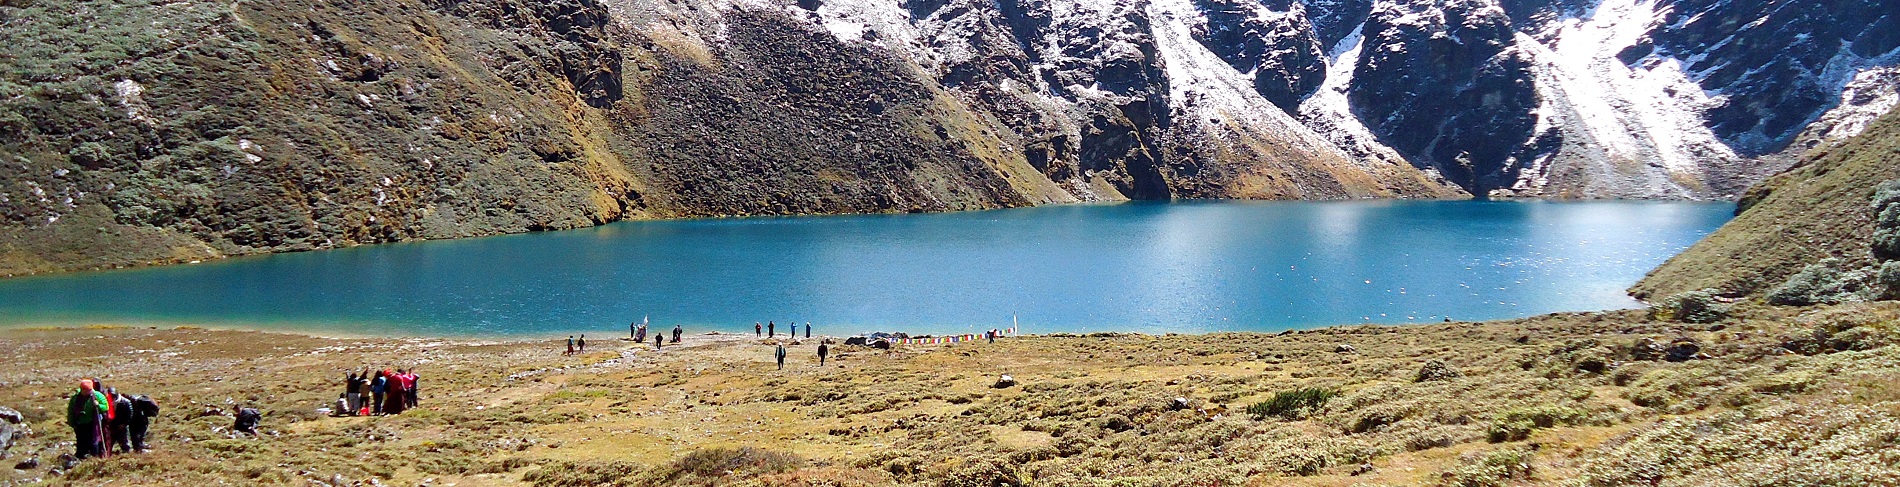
1517,424
1889,279
1825,282
1436,370
1293,404
1494,469
1886,244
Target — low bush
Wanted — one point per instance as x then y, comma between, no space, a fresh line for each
1497,468
1825,282
1293,404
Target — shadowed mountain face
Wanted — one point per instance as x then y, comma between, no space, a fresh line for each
140,131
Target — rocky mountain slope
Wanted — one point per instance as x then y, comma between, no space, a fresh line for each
139,131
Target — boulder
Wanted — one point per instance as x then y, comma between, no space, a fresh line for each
1683,349
8,415
1647,349
1004,381
1179,403
27,464
1344,348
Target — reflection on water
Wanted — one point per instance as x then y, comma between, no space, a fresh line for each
1152,267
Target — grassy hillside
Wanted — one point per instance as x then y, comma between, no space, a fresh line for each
1818,209
1768,396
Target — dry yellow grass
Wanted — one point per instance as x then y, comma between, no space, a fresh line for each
1088,410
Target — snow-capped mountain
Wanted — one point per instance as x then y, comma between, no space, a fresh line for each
1317,98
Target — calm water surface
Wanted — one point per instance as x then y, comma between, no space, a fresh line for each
1149,267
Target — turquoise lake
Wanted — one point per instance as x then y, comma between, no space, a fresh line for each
1148,267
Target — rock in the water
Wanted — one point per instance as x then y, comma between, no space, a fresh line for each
1005,381
27,464
1437,370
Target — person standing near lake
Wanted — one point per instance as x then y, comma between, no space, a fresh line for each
353,393
658,340
583,343
677,332
822,350
807,329
394,403
82,414
414,397
794,329
771,329
780,354
570,345
758,330
378,388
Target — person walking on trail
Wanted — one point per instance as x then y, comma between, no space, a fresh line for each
570,345
143,410
771,329
758,330
658,340
583,343
807,329
121,440
82,413
677,332
822,351
781,356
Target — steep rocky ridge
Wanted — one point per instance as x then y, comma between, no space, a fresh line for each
1816,210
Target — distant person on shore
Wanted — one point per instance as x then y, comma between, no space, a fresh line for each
771,329
822,350
780,354
583,343
82,413
991,335
658,340
807,329
641,335
633,330
570,345
794,329
677,332
758,329
378,389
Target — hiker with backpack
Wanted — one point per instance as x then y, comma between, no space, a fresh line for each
143,410
378,390
119,439
83,412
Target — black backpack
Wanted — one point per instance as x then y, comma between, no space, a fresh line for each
143,407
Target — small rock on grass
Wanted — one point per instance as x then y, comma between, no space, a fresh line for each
1005,381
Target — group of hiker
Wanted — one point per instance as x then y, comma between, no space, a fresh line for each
105,422
824,350
770,329
638,330
384,392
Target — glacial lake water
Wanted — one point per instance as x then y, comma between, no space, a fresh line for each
1146,267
